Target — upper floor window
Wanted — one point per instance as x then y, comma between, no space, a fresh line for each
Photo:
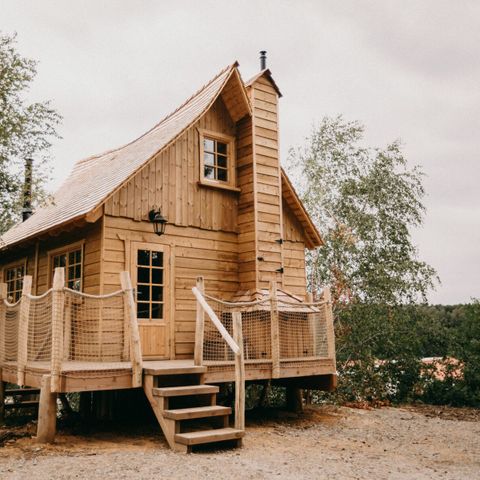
217,159
70,258
14,279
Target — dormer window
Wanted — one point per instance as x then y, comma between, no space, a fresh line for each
217,160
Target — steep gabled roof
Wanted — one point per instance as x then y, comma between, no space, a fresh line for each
96,178
293,201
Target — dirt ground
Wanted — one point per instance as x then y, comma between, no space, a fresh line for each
323,443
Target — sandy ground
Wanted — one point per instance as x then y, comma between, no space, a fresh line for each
325,442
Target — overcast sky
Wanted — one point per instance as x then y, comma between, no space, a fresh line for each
405,69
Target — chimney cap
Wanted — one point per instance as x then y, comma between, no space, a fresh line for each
263,60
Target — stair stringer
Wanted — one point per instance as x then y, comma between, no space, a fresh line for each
158,406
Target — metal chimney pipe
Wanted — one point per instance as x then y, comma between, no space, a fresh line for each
27,190
263,60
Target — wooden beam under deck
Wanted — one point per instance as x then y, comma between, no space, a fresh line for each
90,376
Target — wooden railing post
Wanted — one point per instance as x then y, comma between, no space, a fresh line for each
239,372
3,345
135,347
3,321
22,354
327,297
58,307
275,331
199,326
312,320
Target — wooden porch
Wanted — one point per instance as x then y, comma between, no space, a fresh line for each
67,341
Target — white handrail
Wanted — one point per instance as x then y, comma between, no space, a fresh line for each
215,320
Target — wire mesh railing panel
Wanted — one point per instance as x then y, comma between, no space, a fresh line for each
94,328
256,330
302,331
10,318
39,334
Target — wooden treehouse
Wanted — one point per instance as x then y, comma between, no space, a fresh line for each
174,263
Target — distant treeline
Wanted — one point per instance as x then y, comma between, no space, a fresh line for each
381,351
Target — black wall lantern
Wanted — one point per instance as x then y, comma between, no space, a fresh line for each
158,220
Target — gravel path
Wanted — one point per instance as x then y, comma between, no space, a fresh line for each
327,442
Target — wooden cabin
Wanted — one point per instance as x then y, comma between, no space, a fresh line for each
200,200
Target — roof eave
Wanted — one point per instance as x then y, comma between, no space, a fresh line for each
313,234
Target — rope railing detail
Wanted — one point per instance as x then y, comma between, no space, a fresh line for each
63,327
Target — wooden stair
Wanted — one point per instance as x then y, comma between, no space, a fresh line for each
186,408
21,398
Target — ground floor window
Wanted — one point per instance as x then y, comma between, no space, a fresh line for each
14,280
72,260
150,284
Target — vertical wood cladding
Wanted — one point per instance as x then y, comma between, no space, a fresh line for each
170,181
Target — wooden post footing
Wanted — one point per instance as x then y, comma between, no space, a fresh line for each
47,413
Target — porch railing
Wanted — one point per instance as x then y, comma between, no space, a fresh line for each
234,344
278,332
64,328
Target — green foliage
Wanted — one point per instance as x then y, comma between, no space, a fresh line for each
26,130
364,202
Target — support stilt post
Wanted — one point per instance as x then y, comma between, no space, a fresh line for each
239,372
47,413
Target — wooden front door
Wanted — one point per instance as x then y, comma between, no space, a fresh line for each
151,280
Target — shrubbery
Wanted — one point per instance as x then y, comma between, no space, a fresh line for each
380,351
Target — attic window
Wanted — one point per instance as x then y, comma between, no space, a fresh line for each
217,160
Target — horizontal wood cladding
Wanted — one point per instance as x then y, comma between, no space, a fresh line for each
267,183
38,265
193,252
170,181
294,277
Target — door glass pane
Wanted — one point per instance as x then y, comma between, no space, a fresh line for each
143,293
143,310
149,284
143,275
157,294
157,276
143,257
157,259
157,310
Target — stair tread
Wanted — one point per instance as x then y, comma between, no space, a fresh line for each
209,436
185,390
197,412
24,404
21,391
